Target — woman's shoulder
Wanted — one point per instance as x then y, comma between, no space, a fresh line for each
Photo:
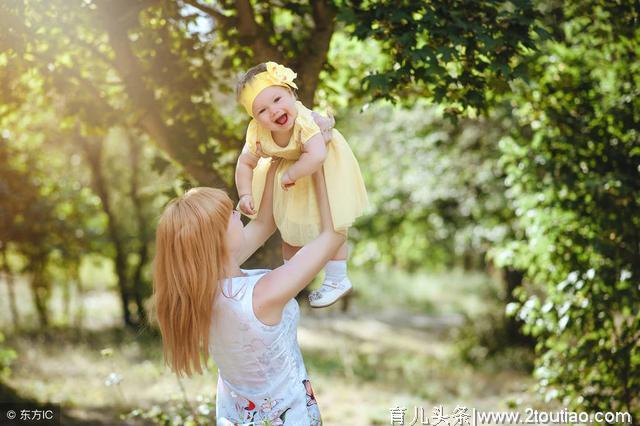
235,288
251,276
254,272
244,287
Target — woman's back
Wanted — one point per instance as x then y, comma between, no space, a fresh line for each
261,373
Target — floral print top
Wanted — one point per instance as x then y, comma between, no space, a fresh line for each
262,379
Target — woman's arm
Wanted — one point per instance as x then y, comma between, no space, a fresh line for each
276,288
260,229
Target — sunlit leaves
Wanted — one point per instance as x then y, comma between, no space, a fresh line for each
456,52
574,180
436,191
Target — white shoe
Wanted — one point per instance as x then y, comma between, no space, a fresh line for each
329,293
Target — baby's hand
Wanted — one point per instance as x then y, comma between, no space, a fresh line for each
246,205
286,182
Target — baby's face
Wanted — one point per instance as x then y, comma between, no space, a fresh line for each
275,109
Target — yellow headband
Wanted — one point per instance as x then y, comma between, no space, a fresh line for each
275,75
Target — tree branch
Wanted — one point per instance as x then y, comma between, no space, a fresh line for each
247,25
211,11
310,64
254,35
128,68
267,19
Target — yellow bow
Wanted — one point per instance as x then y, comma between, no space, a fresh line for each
275,75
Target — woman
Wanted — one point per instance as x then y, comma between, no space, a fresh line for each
246,320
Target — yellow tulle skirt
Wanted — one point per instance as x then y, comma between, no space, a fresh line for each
296,210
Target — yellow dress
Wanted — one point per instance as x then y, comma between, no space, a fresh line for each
296,210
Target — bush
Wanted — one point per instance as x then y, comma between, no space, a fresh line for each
573,175
7,355
178,412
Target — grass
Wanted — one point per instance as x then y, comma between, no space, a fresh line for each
446,293
397,346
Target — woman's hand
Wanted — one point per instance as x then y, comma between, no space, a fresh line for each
326,124
259,151
285,181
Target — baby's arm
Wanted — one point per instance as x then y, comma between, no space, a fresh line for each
313,154
244,175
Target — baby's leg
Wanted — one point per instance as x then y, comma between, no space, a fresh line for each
341,254
288,251
336,283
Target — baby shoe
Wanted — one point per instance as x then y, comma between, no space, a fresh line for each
329,293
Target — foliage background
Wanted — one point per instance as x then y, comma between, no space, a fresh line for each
498,140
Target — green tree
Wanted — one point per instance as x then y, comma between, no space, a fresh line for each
7,355
437,191
149,58
460,53
43,220
573,166
148,66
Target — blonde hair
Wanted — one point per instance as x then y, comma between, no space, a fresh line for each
190,259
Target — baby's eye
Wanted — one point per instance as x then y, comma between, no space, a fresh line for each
261,111
277,99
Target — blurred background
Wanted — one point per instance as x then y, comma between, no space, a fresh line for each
498,267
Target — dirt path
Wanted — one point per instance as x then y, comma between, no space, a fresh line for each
362,364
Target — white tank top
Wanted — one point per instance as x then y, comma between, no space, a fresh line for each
261,374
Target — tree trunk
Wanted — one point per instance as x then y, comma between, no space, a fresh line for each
138,283
40,290
93,151
117,17
264,42
346,303
8,274
467,261
513,279
268,256
79,316
310,63
121,272
66,298
143,235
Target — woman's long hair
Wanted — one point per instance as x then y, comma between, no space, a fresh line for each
191,258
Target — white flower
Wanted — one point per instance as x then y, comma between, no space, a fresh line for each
113,379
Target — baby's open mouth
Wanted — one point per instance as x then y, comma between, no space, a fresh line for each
282,120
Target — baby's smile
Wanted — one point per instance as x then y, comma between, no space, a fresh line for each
282,120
